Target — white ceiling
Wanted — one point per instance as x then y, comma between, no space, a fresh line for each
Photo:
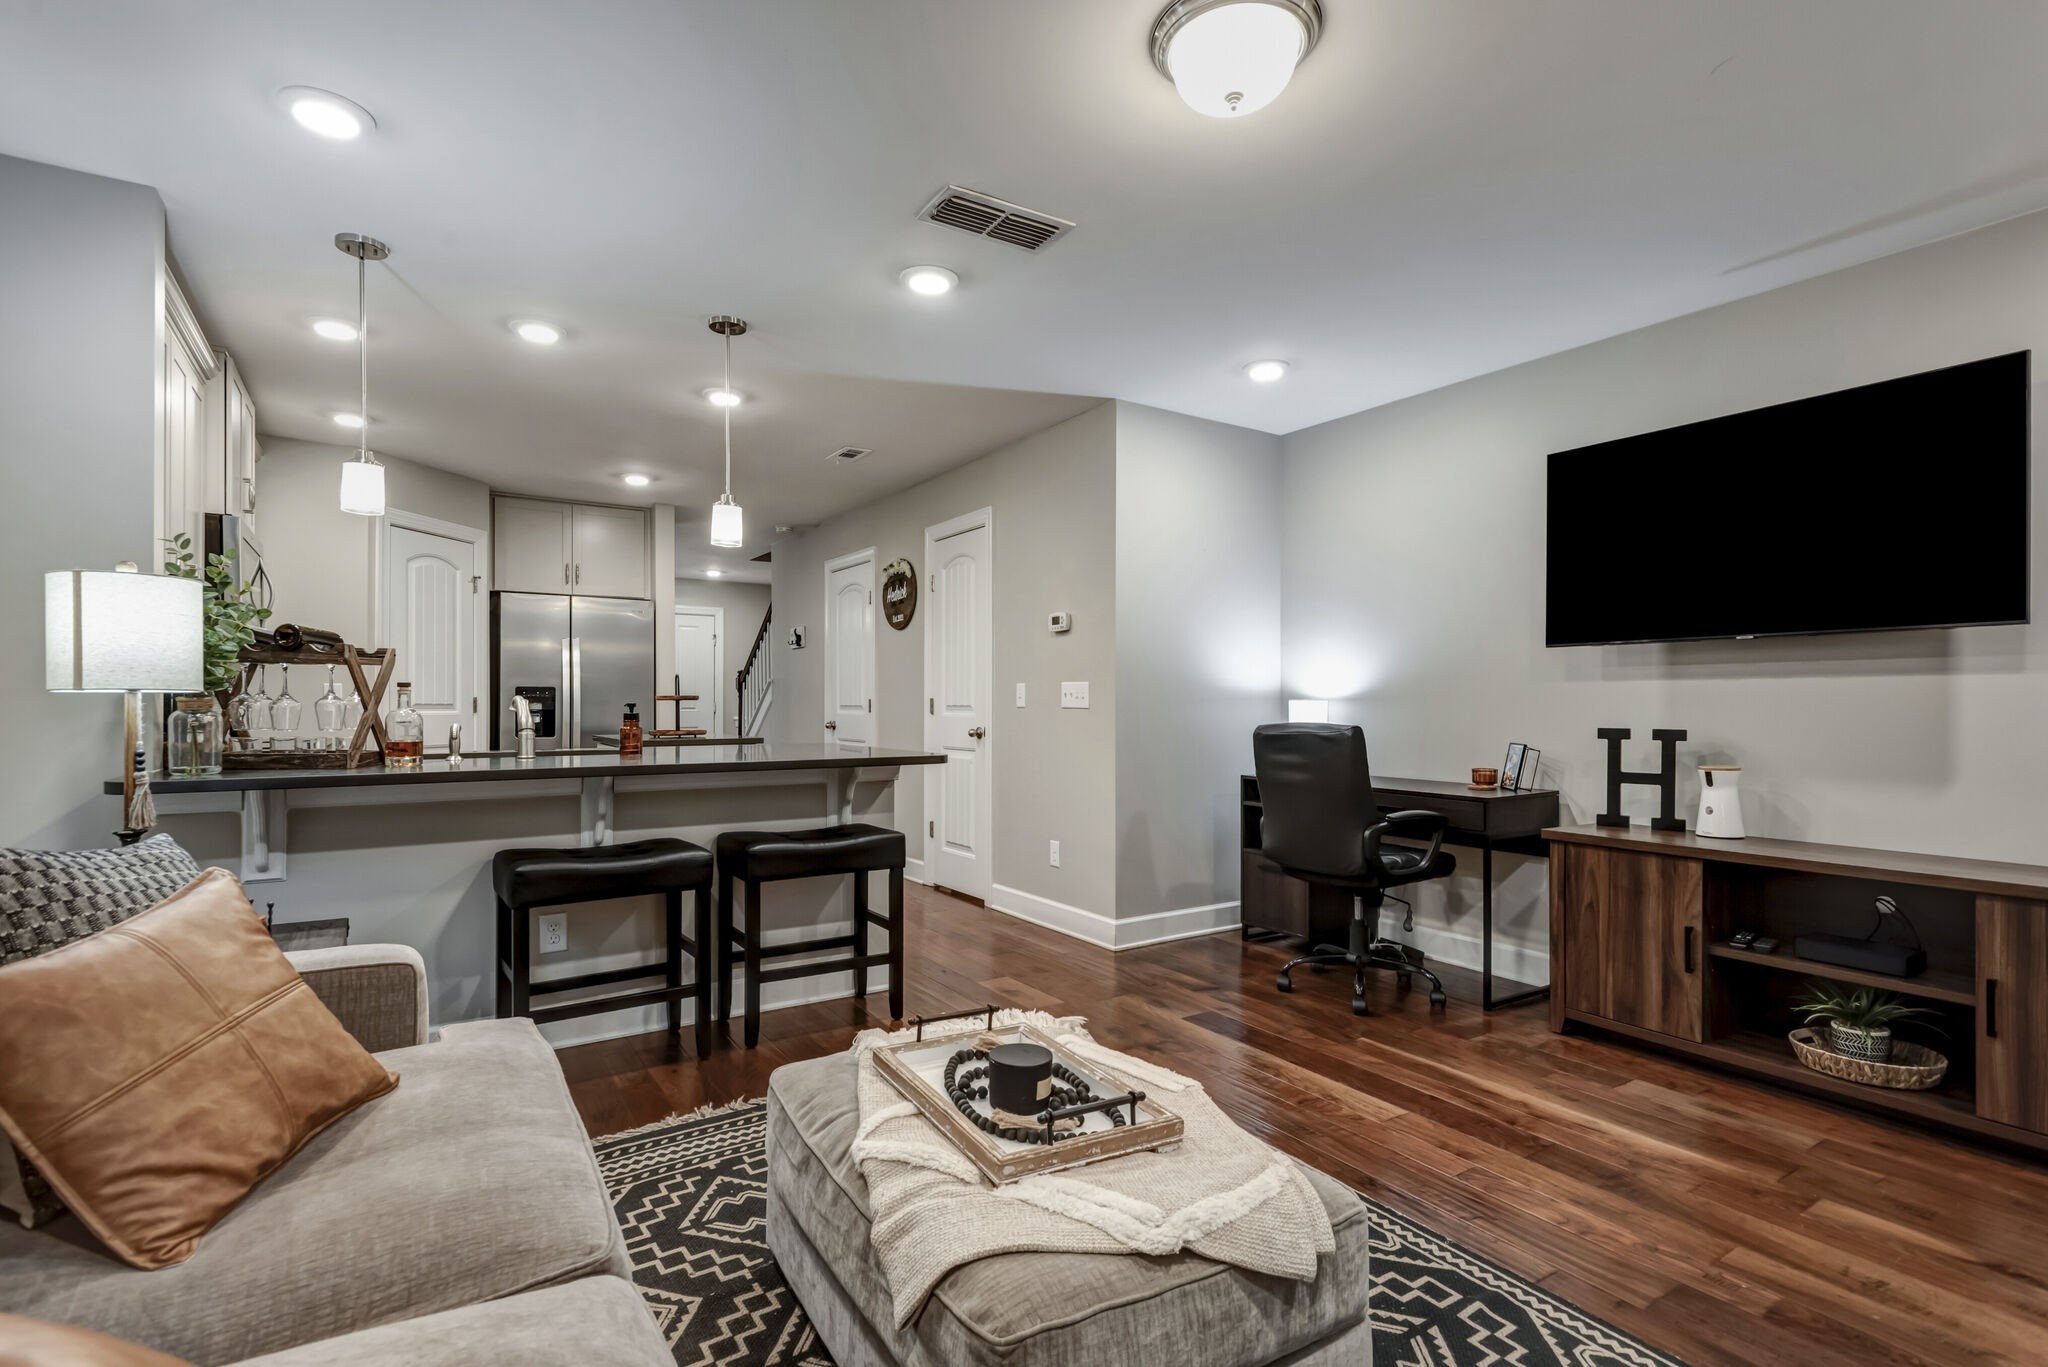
1449,187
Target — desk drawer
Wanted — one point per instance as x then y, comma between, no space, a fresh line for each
1464,813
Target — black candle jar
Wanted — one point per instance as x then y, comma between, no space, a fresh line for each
1019,1078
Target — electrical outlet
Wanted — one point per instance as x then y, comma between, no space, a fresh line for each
554,933
1055,854
1020,695
1074,694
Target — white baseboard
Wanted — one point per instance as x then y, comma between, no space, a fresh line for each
913,869
1113,932
1522,963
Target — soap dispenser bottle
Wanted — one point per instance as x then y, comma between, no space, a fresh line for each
629,730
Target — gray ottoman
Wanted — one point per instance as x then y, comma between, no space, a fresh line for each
1036,1309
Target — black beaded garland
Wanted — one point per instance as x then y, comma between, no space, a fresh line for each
961,1087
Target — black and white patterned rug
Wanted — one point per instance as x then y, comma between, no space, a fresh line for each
691,1196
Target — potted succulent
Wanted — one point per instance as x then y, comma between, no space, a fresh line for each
1859,1021
195,731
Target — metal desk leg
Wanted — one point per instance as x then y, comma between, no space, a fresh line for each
1487,1000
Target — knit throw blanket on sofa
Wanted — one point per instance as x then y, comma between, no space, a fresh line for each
1219,1193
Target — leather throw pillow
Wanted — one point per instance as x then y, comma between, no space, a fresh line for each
157,1071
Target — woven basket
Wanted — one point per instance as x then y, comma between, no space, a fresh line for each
1914,1068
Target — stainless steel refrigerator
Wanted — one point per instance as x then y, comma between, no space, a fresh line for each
578,662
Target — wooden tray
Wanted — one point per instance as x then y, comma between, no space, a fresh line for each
916,1069
1916,1069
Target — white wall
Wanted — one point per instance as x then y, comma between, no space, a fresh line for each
1054,771
744,604
1414,583
81,305
1198,656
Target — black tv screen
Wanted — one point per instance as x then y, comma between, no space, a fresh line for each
1891,506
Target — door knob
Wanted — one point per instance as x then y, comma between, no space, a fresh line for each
831,726
976,732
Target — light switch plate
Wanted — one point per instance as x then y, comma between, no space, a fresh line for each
1074,694
1020,695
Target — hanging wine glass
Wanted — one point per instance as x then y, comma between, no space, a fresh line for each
258,719
239,708
352,708
330,714
284,714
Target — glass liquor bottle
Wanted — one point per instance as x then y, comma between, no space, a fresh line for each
405,733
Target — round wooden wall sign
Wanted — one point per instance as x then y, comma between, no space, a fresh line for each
899,593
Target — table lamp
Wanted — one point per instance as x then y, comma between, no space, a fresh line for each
119,631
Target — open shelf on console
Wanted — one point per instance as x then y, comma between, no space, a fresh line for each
1934,984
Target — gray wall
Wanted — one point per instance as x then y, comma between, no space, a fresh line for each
744,604
81,305
1414,582
1054,771
1197,657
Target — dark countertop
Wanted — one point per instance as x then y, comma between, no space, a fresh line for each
657,759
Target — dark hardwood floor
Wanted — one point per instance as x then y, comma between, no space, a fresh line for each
1718,1220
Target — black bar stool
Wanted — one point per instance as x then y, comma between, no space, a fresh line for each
757,857
526,879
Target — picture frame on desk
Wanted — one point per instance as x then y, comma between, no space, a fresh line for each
1511,767
1532,765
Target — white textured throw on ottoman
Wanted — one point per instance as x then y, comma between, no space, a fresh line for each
1219,1193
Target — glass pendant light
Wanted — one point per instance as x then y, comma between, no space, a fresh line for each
362,479
726,518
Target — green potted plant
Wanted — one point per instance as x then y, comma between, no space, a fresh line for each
1859,1020
194,735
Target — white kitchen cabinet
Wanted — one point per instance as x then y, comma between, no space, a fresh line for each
531,553
548,547
181,475
609,551
232,449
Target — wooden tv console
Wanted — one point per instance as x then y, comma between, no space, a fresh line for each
1640,922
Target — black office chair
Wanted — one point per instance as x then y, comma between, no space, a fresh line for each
1321,825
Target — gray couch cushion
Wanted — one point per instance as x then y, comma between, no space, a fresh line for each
596,1322
1049,1309
472,1180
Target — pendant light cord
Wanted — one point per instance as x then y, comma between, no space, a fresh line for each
363,356
726,408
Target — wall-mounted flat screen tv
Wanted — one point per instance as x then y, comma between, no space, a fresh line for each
1883,508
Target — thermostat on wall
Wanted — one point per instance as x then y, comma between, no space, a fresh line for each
1060,621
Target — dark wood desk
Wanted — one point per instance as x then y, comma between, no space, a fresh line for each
1485,820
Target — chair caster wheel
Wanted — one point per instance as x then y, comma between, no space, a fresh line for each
1358,1007
1284,983
1438,999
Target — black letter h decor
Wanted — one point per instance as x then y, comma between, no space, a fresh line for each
1665,782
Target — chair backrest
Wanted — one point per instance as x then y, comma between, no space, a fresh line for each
1316,790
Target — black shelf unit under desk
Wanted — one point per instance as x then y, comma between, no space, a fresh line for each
1483,819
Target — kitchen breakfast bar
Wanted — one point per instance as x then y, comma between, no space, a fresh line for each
405,854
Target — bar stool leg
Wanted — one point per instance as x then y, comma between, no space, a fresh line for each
706,956
673,913
860,935
896,944
719,962
522,961
753,966
501,961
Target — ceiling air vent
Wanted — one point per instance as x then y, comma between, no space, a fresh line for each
846,455
986,216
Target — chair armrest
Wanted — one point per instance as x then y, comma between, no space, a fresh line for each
378,992
1414,823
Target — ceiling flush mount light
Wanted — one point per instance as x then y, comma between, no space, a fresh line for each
540,334
930,281
348,420
326,113
335,329
724,398
1265,372
1232,57
714,574
637,481
362,479
726,518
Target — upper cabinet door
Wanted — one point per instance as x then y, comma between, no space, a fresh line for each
2012,1012
1633,925
609,547
531,541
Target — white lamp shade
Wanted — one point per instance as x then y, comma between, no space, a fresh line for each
362,488
726,522
109,632
1234,59
1308,709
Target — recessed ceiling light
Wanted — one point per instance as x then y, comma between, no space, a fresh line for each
540,334
714,574
724,398
326,113
929,280
1265,372
637,481
334,329
348,420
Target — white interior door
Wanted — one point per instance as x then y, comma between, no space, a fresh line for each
850,648
958,668
700,668
431,591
